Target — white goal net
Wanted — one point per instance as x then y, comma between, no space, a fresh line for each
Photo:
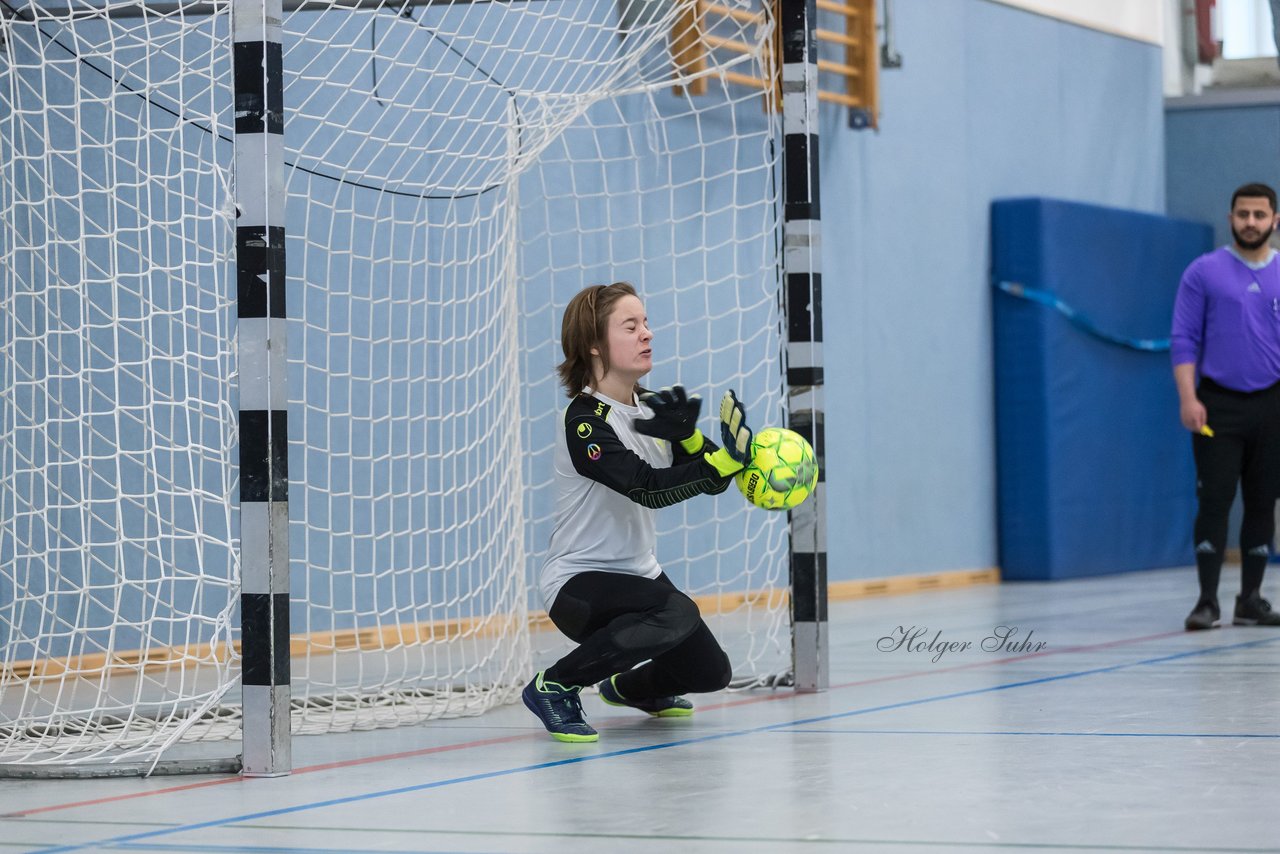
455,173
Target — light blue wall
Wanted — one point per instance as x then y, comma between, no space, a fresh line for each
1214,149
991,102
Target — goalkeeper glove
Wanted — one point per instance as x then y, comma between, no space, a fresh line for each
675,417
736,435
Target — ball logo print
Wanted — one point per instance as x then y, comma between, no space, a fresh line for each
783,470
584,430
593,451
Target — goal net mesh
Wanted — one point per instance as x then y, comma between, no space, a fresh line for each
455,173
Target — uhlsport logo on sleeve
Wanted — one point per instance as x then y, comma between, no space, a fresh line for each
584,430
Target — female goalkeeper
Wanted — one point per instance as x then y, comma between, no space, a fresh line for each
622,454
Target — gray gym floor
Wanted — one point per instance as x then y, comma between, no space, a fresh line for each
1120,732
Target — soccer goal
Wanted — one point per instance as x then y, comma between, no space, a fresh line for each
278,324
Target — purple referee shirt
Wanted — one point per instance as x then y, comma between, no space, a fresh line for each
1226,320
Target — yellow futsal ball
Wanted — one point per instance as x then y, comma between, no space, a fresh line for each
783,470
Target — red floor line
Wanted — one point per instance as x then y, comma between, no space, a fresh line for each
409,754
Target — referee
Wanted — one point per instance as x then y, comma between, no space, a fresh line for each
1226,330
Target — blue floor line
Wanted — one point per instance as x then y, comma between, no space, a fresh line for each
150,834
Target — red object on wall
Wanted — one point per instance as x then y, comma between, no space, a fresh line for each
1208,42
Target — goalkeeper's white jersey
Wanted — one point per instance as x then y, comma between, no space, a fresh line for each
609,483
598,528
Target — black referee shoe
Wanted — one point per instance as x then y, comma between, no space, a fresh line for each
1204,615
1253,610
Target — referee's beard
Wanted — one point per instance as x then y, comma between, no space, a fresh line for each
1254,243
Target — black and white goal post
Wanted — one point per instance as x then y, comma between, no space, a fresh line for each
802,312
261,355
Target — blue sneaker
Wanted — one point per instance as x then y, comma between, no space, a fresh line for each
661,707
559,708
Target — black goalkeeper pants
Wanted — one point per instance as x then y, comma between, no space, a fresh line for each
1244,450
620,621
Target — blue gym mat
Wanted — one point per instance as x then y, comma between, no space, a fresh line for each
1095,473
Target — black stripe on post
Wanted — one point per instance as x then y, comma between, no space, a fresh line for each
264,455
804,376
264,623
809,573
802,195
260,256
259,111
804,308
280,635
798,46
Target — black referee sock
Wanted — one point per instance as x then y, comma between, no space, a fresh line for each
1253,565
1209,568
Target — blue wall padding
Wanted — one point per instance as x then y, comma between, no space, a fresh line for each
1095,473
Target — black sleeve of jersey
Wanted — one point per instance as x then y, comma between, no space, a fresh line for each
598,454
679,456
